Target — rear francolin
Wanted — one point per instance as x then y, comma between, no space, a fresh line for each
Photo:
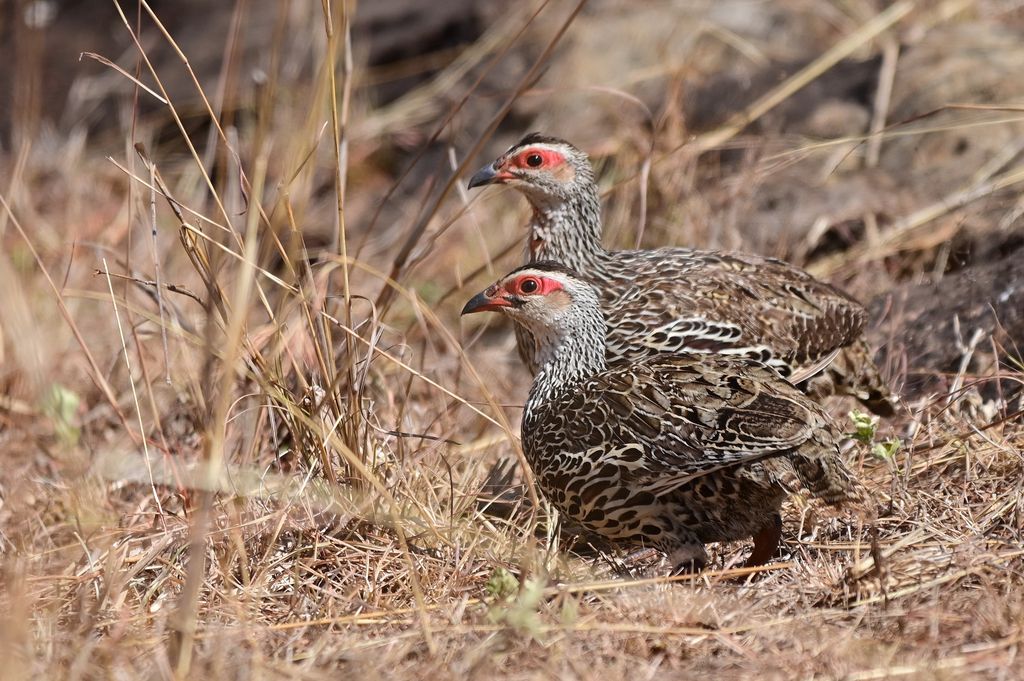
682,299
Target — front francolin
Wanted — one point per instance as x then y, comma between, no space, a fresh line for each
670,451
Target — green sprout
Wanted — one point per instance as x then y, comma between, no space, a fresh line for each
864,426
887,449
60,404
502,585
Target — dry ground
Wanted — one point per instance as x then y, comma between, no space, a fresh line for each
244,430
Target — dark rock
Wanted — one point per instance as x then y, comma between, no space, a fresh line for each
926,329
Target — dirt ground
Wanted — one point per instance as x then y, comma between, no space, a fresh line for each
244,430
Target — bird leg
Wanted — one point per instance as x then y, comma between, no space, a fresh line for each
766,542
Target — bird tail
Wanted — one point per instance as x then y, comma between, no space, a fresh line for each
820,469
829,479
855,373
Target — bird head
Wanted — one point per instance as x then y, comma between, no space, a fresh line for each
541,295
546,169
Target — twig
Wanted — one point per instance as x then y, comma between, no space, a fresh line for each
135,395
156,272
106,62
883,96
173,288
967,351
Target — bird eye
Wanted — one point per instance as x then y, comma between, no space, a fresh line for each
529,286
534,160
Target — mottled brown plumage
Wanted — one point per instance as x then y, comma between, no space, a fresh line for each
681,299
672,450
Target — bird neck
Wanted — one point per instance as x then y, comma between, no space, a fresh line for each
567,230
569,355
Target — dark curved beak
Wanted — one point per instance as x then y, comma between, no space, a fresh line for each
486,175
481,302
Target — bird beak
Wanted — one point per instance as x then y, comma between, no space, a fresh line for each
489,174
482,302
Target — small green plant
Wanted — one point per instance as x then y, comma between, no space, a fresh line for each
513,606
887,449
502,585
864,426
61,405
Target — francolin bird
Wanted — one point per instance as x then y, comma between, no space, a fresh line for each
670,451
681,299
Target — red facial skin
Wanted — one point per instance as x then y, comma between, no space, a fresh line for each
538,286
498,296
549,161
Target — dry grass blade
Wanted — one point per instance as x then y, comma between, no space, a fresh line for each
106,62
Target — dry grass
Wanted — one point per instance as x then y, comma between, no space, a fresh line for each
227,459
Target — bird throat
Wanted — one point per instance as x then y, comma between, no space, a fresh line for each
570,353
555,235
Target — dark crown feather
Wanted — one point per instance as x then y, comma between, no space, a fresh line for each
547,266
540,138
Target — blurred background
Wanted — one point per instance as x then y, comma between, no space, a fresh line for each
932,194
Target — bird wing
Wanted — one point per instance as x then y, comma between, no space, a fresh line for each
811,370
688,415
671,300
